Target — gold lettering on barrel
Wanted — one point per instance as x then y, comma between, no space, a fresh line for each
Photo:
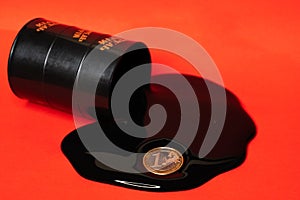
107,43
42,26
81,35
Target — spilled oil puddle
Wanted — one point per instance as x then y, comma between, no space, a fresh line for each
228,153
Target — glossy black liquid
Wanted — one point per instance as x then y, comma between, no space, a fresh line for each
228,153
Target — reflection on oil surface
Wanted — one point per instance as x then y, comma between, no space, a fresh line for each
228,153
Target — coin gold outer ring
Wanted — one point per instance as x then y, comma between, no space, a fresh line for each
172,166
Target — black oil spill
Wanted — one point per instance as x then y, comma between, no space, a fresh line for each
228,153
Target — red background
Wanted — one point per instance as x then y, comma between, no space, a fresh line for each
256,47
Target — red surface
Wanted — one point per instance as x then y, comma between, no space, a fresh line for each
256,47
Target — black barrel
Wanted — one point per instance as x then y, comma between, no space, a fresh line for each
46,57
